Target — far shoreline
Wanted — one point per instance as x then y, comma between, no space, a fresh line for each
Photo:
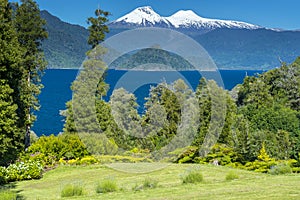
138,70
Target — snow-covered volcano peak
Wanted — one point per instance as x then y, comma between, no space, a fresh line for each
186,14
146,9
186,19
142,16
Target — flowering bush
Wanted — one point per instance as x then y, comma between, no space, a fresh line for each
87,160
23,171
50,149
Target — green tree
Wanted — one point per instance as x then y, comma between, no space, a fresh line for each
9,132
241,136
69,125
82,117
11,136
98,27
212,101
231,112
164,96
30,32
284,84
124,112
204,99
256,92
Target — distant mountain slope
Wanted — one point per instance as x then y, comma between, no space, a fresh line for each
250,49
232,44
66,45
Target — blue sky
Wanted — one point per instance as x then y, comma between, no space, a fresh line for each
269,13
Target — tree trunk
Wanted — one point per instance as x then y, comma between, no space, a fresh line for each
27,134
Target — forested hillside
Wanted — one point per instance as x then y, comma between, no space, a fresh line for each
66,44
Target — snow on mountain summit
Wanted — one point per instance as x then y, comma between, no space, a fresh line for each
146,16
143,16
189,19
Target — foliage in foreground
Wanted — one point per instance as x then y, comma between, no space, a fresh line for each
21,171
170,184
50,149
226,156
107,185
282,168
71,190
231,176
7,195
192,176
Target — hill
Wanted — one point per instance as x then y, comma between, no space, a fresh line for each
66,44
250,49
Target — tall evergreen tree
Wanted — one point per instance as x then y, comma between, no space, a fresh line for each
98,27
31,32
11,136
93,68
9,132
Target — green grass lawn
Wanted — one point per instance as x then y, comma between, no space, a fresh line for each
250,185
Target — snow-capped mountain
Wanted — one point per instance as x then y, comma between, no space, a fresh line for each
143,16
183,19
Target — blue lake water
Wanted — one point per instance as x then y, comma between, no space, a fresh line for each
57,92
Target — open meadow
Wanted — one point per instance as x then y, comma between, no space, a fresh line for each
167,183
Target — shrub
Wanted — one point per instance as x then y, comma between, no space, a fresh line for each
137,152
99,144
296,169
73,161
282,168
192,176
74,147
231,176
24,171
49,149
71,190
225,155
119,158
88,160
184,155
106,186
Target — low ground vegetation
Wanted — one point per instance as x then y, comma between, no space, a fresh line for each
215,184
71,190
106,186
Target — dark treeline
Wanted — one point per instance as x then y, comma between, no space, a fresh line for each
21,66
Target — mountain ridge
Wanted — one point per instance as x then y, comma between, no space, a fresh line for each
230,48
146,16
66,44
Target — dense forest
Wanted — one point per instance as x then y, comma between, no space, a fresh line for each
22,64
256,126
261,116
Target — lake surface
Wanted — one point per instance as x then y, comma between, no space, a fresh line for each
57,92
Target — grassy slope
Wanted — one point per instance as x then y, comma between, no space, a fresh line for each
249,186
